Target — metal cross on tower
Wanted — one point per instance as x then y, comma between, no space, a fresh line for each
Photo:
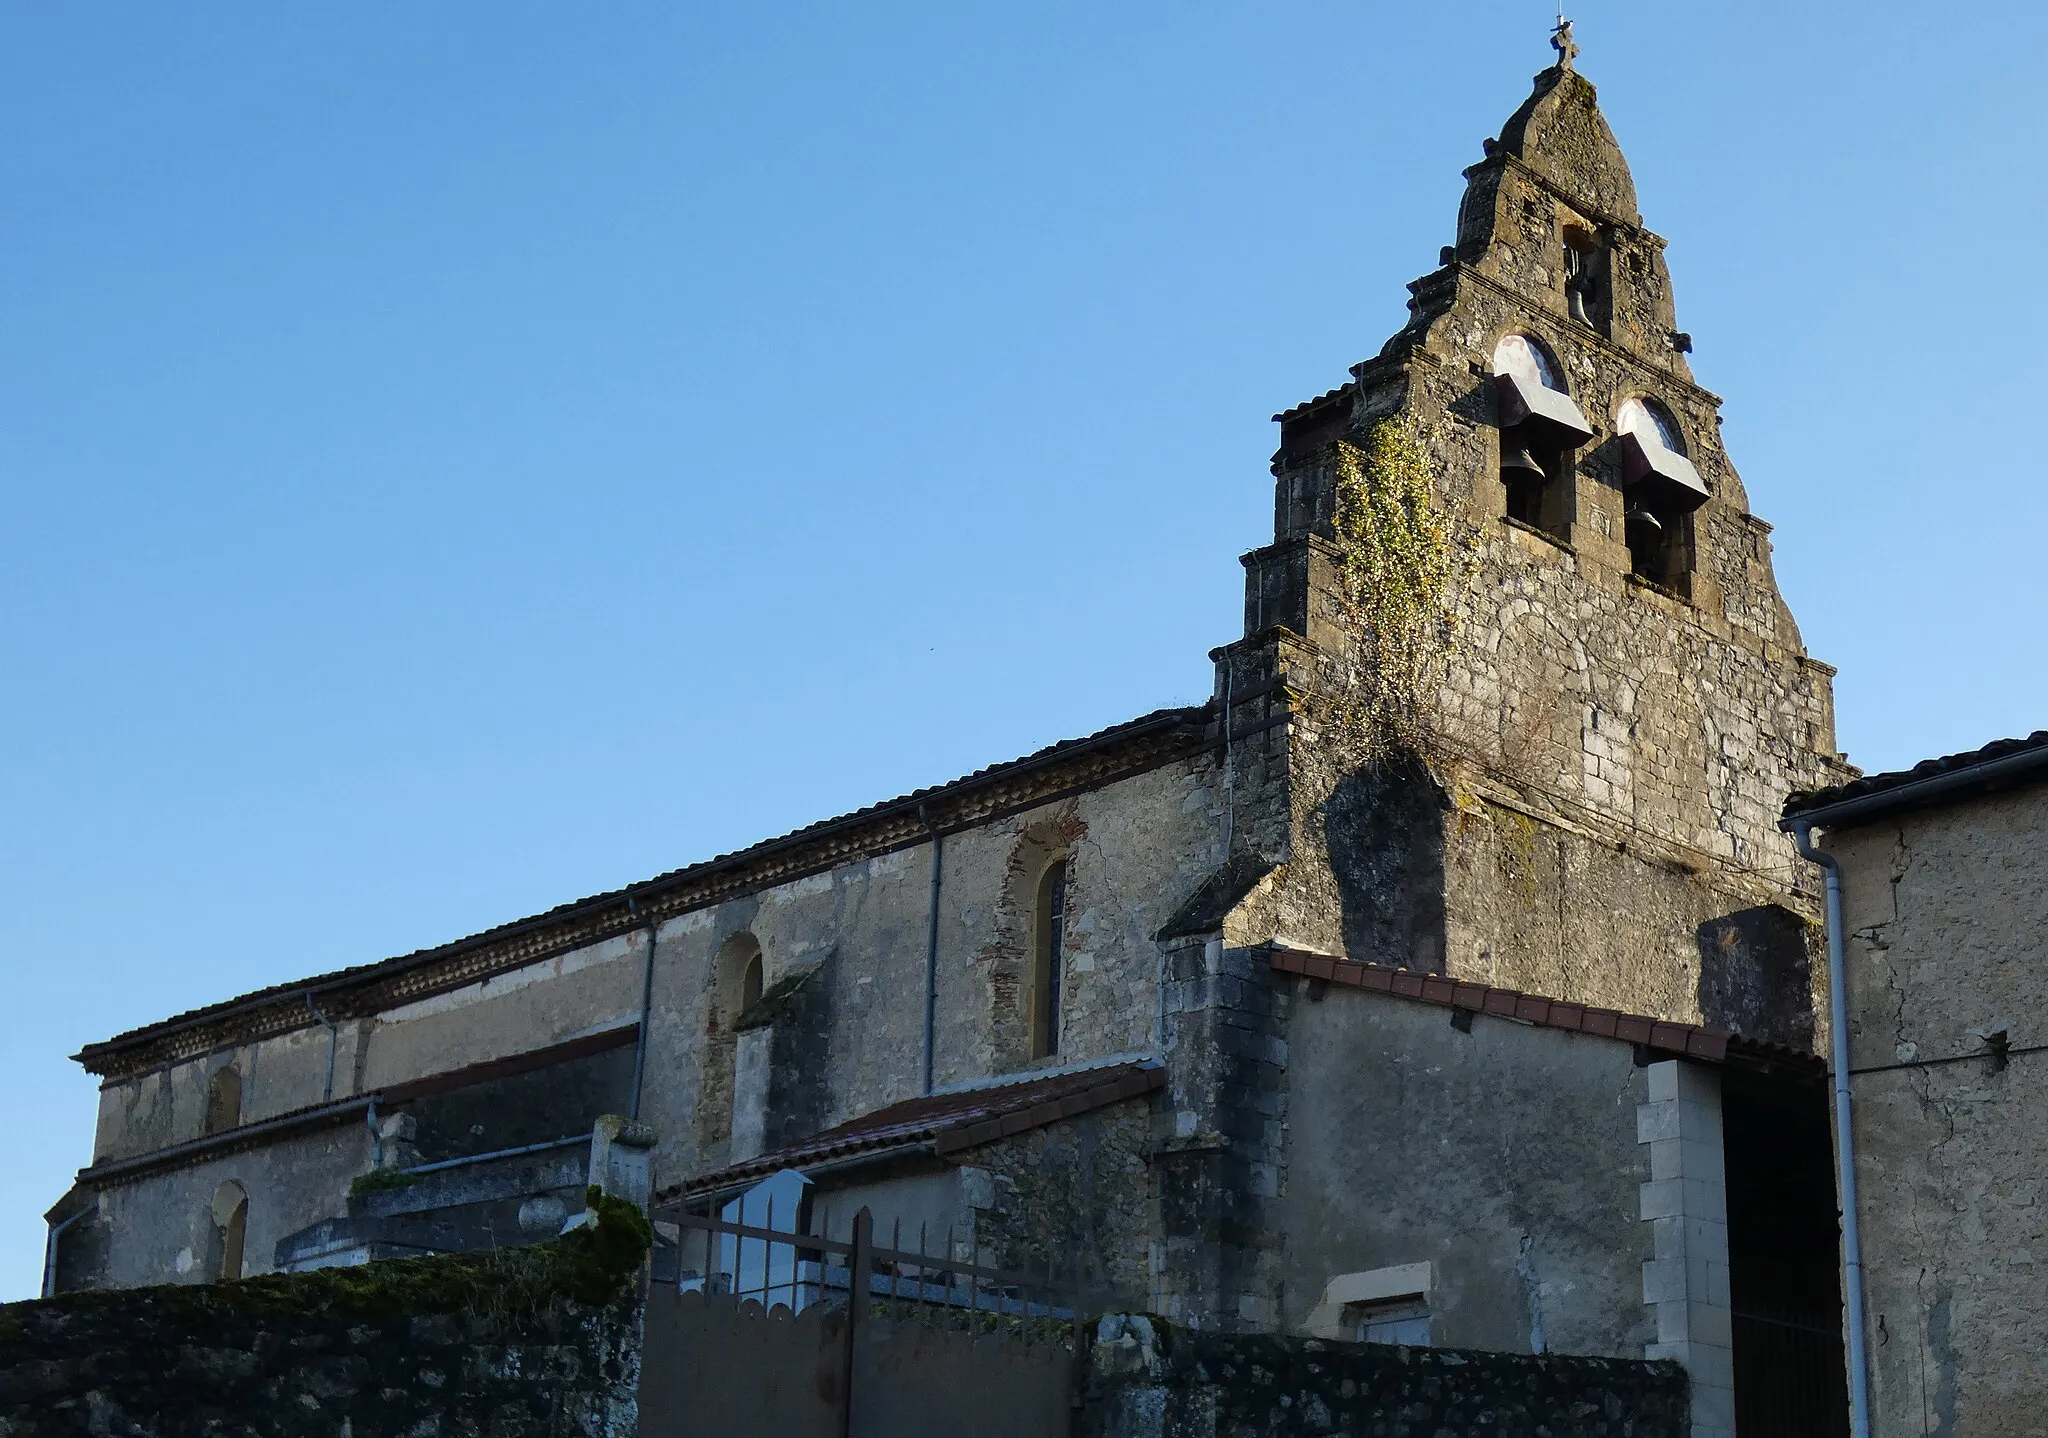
1561,41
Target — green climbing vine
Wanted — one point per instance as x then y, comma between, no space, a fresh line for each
1395,563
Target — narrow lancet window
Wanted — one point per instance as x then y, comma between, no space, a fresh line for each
1048,959
230,1214
1582,289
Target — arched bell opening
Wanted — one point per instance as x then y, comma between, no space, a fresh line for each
1660,492
1541,430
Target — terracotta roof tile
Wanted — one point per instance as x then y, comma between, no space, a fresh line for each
949,1123
94,1055
1694,1041
2034,746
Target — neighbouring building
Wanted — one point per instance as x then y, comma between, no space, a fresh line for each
1444,978
1944,872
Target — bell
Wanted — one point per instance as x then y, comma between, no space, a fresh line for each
1520,464
1645,521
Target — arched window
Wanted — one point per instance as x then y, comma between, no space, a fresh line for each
230,1216
736,981
224,1099
1584,290
750,984
1540,428
1048,936
1660,490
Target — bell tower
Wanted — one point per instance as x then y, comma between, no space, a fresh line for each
1513,541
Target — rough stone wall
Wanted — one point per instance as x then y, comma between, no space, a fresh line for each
1146,1380
1644,737
1505,1157
1218,1164
1074,1196
543,1342
1945,910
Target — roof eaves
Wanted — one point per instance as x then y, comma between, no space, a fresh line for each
1693,1041
1159,722
1997,765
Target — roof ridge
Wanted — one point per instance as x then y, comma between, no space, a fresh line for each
1689,1040
636,904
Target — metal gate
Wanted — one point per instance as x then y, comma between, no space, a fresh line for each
782,1334
1790,1378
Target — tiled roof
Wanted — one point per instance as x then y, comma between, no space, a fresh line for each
2002,758
1157,726
1308,404
948,1123
1692,1041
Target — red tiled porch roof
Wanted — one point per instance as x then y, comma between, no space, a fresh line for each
947,1123
1693,1041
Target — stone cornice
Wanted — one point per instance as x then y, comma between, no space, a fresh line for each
1579,331
1065,769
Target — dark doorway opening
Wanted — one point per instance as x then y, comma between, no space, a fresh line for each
1784,1256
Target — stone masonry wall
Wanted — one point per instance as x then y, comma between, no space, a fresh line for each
1644,734
1075,1196
530,1343
1147,1380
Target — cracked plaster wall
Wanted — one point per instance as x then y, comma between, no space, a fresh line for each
1946,911
1506,1157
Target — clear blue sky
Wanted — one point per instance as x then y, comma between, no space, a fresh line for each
461,457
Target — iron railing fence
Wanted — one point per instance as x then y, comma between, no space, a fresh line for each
787,1267
1791,1380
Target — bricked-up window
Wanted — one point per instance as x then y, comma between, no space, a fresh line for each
750,984
224,1099
1047,959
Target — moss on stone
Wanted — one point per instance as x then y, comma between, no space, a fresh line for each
380,1180
500,1288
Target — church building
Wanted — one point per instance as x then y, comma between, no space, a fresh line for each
1445,978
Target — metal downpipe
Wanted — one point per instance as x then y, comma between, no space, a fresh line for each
1845,1141
931,954
50,1245
333,1037
646,1013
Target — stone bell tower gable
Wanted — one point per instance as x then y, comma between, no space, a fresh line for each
1623,700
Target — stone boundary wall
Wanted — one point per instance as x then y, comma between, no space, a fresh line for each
523,1343
1150,1380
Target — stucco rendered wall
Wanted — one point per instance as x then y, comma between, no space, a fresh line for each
160,1227
1505,1158
1135,850
1947,919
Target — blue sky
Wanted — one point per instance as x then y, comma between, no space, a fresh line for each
458,458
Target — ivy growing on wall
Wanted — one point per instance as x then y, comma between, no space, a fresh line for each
1395,562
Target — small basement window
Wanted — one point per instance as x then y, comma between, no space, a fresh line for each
1391,1320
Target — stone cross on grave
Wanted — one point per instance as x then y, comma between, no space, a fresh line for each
1561,41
